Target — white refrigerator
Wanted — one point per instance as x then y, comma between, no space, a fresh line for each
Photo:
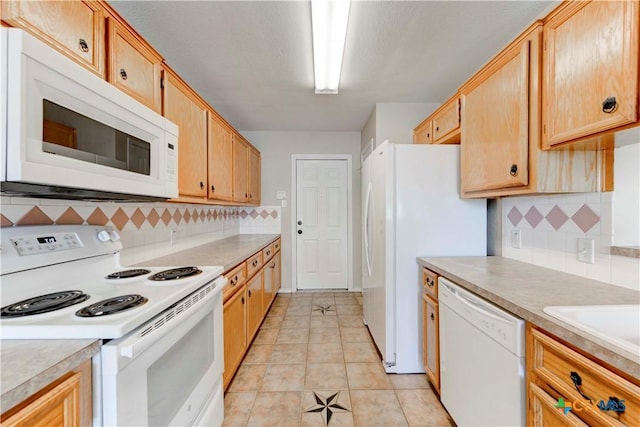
411,207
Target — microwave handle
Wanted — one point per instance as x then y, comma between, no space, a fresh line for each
141,343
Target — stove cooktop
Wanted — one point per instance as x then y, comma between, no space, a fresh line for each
94,276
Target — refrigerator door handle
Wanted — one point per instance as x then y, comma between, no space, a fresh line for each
367,229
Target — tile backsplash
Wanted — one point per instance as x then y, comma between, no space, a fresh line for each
550,227
159,228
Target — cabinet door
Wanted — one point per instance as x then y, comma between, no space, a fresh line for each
277,276
495,131
590,56
235,334
240,170
134,67
268,272
431,341
182,107
446,123
220,160
254,177
254,308
76,28
422,134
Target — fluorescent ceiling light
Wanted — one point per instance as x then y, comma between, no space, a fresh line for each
329,21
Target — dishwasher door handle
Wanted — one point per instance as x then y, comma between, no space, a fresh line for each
480,308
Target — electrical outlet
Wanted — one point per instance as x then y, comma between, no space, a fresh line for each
516,239
586,251
175,233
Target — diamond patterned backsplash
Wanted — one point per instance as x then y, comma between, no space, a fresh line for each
550,227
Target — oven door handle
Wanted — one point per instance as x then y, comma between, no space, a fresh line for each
165,322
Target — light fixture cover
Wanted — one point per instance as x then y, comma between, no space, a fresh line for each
329,20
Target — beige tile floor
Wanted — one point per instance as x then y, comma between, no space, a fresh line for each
313,364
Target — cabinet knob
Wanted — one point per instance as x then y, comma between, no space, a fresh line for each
213,188
428,135
514,170
245,195
201,185
242,300
249,293
433,316
123,74
299,231
250,196
83,45
437,128
299,222
609,105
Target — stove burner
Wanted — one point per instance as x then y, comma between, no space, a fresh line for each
125,274
43,303
112,306
175,273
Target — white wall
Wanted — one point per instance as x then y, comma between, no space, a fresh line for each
626,197
396,121
276,149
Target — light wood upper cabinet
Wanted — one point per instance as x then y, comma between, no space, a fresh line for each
220,159
240,170
590,59
183,107
495,134
446,122
254,176
76,28
423,134
442,126
134,67
500,133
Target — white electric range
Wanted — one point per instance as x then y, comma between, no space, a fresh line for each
66,282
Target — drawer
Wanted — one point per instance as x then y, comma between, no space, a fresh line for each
544,411
268,252
566,371
254,264
430,283
236,277
276,246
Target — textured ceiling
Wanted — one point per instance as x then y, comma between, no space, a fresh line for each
253,62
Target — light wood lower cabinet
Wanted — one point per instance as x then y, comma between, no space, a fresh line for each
252,288
65,402
235,336
560,377
430,325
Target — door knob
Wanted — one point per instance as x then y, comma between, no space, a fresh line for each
299,231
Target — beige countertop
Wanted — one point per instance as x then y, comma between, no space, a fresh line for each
525,289
227,252
30,365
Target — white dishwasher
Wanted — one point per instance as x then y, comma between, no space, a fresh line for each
481,360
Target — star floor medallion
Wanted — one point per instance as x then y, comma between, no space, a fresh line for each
324,308
326,406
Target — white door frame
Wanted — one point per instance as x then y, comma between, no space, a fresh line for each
294,214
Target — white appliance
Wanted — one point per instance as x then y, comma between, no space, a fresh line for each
66,132
161,362
482,360
411,208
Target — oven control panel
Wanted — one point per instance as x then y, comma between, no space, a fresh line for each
32,245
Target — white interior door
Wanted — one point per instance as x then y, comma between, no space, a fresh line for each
322,224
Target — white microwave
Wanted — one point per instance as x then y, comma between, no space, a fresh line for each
67,133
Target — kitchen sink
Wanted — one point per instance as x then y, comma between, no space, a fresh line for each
616,324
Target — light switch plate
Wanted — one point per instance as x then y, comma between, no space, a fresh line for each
516,239
586,250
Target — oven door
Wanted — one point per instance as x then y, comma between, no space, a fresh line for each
169,371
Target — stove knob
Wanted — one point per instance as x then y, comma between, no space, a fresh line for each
104,236
115,236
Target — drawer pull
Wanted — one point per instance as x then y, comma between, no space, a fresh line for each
433,316
83,45
609,105
577,382
514,170
123,73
